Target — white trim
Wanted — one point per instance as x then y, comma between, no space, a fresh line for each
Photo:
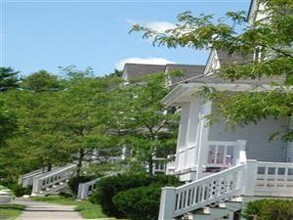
184,92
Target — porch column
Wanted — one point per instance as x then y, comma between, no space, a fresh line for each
203,132
167,203
290,144
182,137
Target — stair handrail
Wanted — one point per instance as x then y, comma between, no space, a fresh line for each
214,188
83,188
52,178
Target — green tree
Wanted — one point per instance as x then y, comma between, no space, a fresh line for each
41,81
8,78
144,124
270,40
8,123
84,116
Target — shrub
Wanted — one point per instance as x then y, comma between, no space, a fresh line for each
268,209
75,181
140,203
107,188
18,190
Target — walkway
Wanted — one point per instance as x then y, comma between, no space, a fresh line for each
46,211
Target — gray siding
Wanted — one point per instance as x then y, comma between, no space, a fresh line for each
258,145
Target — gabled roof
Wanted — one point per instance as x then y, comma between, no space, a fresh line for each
236,58
189,72
134,70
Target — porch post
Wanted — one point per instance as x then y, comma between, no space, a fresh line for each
202,152
290,143
250,177
167,203
240,153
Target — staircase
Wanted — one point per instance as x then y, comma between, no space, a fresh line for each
87,188
52,182
213,197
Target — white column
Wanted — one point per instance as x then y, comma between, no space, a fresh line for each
290,144
203,132
250,177
167,203
240,152
182,137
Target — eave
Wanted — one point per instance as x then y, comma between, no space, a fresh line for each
184,92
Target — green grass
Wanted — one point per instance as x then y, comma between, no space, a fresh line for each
85,208
10,211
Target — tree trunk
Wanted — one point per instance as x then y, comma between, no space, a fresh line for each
79,162
151,167
49,166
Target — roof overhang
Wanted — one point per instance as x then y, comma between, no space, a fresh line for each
185,92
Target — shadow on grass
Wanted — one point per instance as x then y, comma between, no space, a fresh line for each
12,207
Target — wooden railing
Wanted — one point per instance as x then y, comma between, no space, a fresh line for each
177,201
221,153
28,178
171,164
87,188
159,165
50,179
273,179
249,178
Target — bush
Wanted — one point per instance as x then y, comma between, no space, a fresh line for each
142,203
269,209
107,188
18,190
75,181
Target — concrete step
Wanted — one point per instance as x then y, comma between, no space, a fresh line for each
220,211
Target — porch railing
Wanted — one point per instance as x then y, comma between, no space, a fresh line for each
56,177
177,201
272,178
220,154
250,178
87,188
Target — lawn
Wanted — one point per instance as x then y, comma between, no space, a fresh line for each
10,211
85,208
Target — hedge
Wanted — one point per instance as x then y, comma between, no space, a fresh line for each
107,188
269,209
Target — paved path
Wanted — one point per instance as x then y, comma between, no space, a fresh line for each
46,211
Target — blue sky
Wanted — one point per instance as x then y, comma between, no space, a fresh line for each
47,34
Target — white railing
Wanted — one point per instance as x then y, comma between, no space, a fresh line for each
249,178
214,188
171,164
273,179
159,165
221,154
53,178
87,188
27,179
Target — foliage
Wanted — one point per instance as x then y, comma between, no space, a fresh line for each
8,79
268,209
139,203
60,121
19,190
266,47
143,123
10,211
108,187
8,123
41,81
75,181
